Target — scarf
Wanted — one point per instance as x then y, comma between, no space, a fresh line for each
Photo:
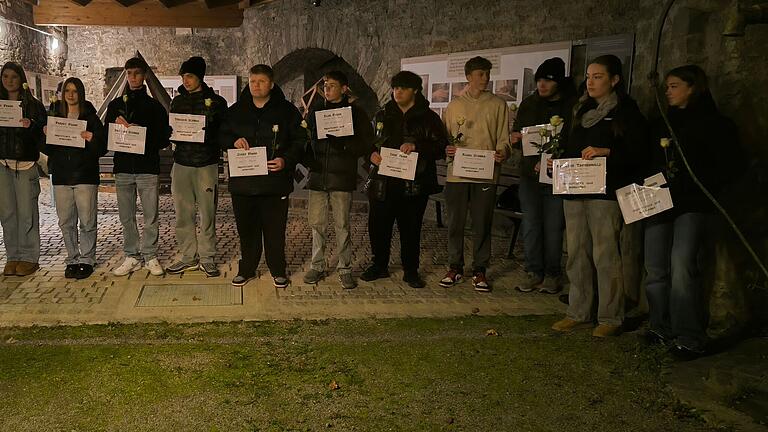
593,116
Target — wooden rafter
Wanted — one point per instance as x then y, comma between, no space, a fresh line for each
146,13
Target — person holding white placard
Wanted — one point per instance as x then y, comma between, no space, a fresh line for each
195,172
606,123
483,118
543,219
333,164
677,239
409,125
138,174
75,176
19,180
262,117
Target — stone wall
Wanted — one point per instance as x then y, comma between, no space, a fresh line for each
25,46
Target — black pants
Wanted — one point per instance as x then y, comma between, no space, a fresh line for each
260,216
408,212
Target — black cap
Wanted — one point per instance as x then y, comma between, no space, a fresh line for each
552,69
195,66
406,79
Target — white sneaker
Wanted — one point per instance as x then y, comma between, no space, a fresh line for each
128,266
154,267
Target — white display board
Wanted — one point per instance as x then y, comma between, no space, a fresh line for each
512,75
223,85
48,88
32,78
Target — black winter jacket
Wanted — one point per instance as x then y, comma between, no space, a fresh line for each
245,120
423,127
140,109
625,131
535,110
73,166
209,152
333,162
24,144
702,132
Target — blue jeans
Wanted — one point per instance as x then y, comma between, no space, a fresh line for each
148,188
73,203
19,213
678,304
543,225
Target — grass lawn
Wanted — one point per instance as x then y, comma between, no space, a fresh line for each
398,375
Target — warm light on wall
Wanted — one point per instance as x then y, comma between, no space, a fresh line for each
54,44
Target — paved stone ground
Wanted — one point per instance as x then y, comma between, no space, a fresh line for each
48,298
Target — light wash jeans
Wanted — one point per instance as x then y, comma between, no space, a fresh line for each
19,213
73,203
341,206
147,187
192,186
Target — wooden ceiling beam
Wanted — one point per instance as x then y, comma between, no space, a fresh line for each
127,3
219,3
174,3
144,14
79,2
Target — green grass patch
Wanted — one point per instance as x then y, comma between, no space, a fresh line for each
400,375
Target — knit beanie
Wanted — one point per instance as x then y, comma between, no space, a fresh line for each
552,69
406,79
195,66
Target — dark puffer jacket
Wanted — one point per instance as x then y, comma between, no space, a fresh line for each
625,131
24,144
423,127
209,152
140,109
332,162
535,110
245,120
72,165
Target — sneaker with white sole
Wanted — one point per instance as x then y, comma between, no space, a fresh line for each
550,285
128,266
210,269
347,281
154,267
280,281
531,283
181,267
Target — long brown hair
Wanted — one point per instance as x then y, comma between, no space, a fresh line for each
62,107
701,98
26,94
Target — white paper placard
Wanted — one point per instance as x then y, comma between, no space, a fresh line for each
65,132
578,176
639,202
126,139
531,136
10,113
476,164
187,127
244,163
336,122
395,163
655,180
545,175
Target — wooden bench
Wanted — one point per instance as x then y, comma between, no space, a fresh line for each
506,180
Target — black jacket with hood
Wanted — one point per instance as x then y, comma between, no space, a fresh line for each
139,108
24,144
245,120
333,161
423,127
193,154
74,166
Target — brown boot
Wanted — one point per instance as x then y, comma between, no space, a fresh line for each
567,325
10,268
605,330
26,268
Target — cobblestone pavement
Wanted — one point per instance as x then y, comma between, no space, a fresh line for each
48,298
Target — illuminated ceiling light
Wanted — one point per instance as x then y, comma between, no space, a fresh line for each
54,44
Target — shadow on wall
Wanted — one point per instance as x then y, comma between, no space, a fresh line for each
298,71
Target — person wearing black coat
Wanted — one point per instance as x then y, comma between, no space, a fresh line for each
262,117
606,123
19,180
139,173
409,125
543,219
195,173
333,164
75,176
676,239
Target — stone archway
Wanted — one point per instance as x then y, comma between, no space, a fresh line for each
302,68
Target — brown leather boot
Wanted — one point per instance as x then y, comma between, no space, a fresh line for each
26,268
10,268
